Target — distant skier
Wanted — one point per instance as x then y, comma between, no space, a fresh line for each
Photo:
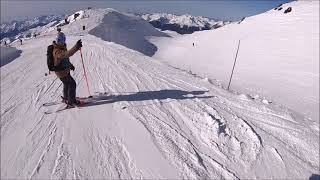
61,58
193,44
20,41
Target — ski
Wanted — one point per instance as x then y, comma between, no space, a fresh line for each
62,101
56,110
98,94
65,107
52,103
62,108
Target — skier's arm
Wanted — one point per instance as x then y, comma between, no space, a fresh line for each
61,54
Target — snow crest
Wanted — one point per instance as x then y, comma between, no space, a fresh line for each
128,31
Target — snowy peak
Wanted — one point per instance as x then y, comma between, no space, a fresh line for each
127,30
72,18
183,24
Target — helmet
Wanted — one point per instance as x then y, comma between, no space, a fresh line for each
61,38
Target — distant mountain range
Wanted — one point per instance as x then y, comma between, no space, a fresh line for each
182,24
27,28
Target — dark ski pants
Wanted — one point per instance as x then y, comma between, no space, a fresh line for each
69,89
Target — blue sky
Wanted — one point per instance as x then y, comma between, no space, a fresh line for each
218,9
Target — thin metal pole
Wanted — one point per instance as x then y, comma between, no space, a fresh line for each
234,64
85,73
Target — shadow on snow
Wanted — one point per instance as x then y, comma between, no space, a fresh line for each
145,96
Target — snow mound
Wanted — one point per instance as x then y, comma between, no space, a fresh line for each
8,54
128,31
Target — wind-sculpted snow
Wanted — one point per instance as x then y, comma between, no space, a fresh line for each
147,120
128,31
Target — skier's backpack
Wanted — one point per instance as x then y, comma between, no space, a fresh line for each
50,59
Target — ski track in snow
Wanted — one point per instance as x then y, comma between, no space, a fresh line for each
199,130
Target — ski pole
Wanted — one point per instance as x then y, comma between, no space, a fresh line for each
85,73
235,60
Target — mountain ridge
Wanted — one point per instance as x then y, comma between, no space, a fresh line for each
182,24
11,31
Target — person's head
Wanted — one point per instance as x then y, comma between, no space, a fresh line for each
61,38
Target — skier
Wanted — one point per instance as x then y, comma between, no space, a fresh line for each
61,58
20,41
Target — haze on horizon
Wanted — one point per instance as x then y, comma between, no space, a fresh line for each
223,10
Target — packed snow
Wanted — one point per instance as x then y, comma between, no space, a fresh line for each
278,56
149,120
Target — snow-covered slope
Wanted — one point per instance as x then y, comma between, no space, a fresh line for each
278,56
154,121
183,24
128,31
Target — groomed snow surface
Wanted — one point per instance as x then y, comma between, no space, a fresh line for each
149,120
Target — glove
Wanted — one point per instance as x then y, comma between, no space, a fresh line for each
72,67
79,44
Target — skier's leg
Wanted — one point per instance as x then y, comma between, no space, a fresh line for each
65,87
72,90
